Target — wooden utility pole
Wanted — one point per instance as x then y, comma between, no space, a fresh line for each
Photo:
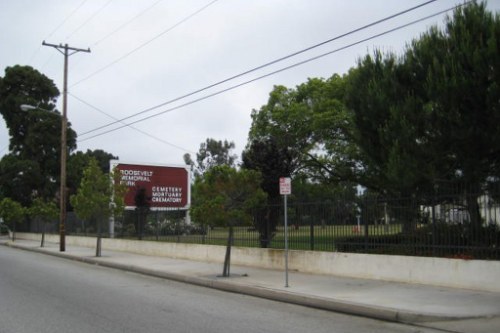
65,50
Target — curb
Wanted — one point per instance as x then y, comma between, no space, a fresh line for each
363,310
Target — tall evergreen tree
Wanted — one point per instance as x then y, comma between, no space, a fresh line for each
35,139
432,114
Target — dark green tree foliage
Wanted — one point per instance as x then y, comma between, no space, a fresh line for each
142,204
272,163
20,179
312,126
462,84
305,191
433,114
78,161
12,212
305,133
390,126
334,157
210,154
285,121
93,201
34,134
226,197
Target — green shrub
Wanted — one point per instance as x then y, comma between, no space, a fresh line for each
3,229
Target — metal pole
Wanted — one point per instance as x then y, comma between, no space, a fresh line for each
286,242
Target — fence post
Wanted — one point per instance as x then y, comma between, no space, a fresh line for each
268,231
157,226
434,225
311,232
178,231
204,233
365,224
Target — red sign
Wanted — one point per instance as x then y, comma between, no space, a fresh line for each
164,186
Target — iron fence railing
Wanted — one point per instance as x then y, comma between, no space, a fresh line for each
464,224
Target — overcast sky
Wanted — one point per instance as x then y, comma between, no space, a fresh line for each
149,52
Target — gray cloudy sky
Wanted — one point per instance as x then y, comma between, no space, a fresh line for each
149,52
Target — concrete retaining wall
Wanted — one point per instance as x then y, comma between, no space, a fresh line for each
457,273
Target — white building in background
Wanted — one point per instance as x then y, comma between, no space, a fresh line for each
458,214
490,210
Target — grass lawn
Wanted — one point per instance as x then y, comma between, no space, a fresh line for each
299,238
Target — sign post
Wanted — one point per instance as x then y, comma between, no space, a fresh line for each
285,190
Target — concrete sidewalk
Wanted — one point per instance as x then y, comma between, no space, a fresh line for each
391,301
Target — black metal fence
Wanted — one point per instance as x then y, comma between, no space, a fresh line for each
463,224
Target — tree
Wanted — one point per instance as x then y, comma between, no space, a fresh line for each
210,154
34,134
78,161
279,142
270,161
44,210
312,126
390,127
224,196
463,83
19,179
142,204
305,132
432,114
335,157
98,196
285,121
12,213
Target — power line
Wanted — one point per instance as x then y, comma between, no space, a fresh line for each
145,43
89,19
262,66
132,127
123,25
274,72
66,19
127,23
57,28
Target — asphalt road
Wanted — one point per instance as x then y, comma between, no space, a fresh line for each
40,293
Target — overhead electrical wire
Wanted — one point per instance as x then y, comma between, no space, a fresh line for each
263,66
274,72
56,29
89,19
123,25
66,19
132,127
144,44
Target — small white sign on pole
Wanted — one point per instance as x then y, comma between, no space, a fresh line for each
285,186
